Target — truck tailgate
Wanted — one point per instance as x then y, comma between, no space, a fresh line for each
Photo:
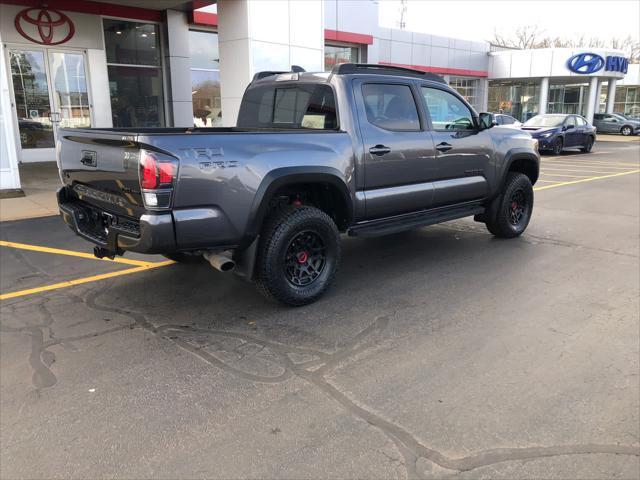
101,169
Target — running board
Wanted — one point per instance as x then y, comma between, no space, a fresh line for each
410,221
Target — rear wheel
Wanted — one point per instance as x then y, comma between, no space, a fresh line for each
626,130
509,214
298,255
557,146
588,146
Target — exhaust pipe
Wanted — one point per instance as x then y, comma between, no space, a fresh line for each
220,261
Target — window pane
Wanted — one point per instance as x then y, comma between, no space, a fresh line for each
131,43
391,107
203,50
32,98
205,95
136,97
447,111
304,106
335,55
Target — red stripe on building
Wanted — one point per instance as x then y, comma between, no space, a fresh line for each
94,8
348,37
204,18
441,70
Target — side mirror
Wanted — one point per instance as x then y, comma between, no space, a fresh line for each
568,127
487,120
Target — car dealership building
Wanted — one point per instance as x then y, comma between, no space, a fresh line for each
184,63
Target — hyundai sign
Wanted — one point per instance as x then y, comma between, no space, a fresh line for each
587,63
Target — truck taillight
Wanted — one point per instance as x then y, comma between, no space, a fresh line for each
157,175
155,171
148,167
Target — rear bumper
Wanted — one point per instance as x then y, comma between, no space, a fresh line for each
153,233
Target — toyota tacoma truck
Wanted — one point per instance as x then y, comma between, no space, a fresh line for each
363,150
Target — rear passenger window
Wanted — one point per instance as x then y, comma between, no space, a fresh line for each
391,107
447,111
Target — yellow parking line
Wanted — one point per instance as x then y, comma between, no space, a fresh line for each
59,251
597,162
582,180
79,281
604,167
562,169
560,175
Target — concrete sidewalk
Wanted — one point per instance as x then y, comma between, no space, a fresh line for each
39,182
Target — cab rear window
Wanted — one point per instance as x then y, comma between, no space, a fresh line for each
289,106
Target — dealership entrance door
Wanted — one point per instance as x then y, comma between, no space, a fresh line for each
49,92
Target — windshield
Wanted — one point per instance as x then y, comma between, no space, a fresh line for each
545,121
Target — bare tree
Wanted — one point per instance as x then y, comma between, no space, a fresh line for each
531,36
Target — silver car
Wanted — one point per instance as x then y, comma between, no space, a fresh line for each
616,123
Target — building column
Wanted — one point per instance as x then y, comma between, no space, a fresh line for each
254,36
596,106
178,67
611,94
544,96
9,175
591,98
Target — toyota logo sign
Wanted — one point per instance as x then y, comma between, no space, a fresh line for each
585,63
44,26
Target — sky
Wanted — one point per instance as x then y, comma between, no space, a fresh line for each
477,19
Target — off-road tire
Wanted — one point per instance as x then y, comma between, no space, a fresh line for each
277,239
588,146
500,213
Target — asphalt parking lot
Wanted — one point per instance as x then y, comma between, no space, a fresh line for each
439,353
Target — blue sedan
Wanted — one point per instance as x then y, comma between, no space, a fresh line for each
556,132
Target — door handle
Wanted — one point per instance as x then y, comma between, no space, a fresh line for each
379,150
444,147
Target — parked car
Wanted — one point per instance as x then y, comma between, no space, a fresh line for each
616,123
365,150
503,120
556,132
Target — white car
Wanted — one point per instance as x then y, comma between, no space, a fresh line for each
503,120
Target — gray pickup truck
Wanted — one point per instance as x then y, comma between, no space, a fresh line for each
363,150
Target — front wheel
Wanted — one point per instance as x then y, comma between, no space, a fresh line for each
588,146
557,146
298,255
626,131
509,214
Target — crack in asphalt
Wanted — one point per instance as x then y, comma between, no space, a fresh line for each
313,371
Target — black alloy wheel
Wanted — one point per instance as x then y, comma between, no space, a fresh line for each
518,207
557,146
305,258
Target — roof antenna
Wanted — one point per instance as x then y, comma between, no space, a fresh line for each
297,69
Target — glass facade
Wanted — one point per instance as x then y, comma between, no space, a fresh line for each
518,99
627,100
336,54
567,99
135,73
205,79
469,88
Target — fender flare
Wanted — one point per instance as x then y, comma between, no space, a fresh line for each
518,153
284,176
